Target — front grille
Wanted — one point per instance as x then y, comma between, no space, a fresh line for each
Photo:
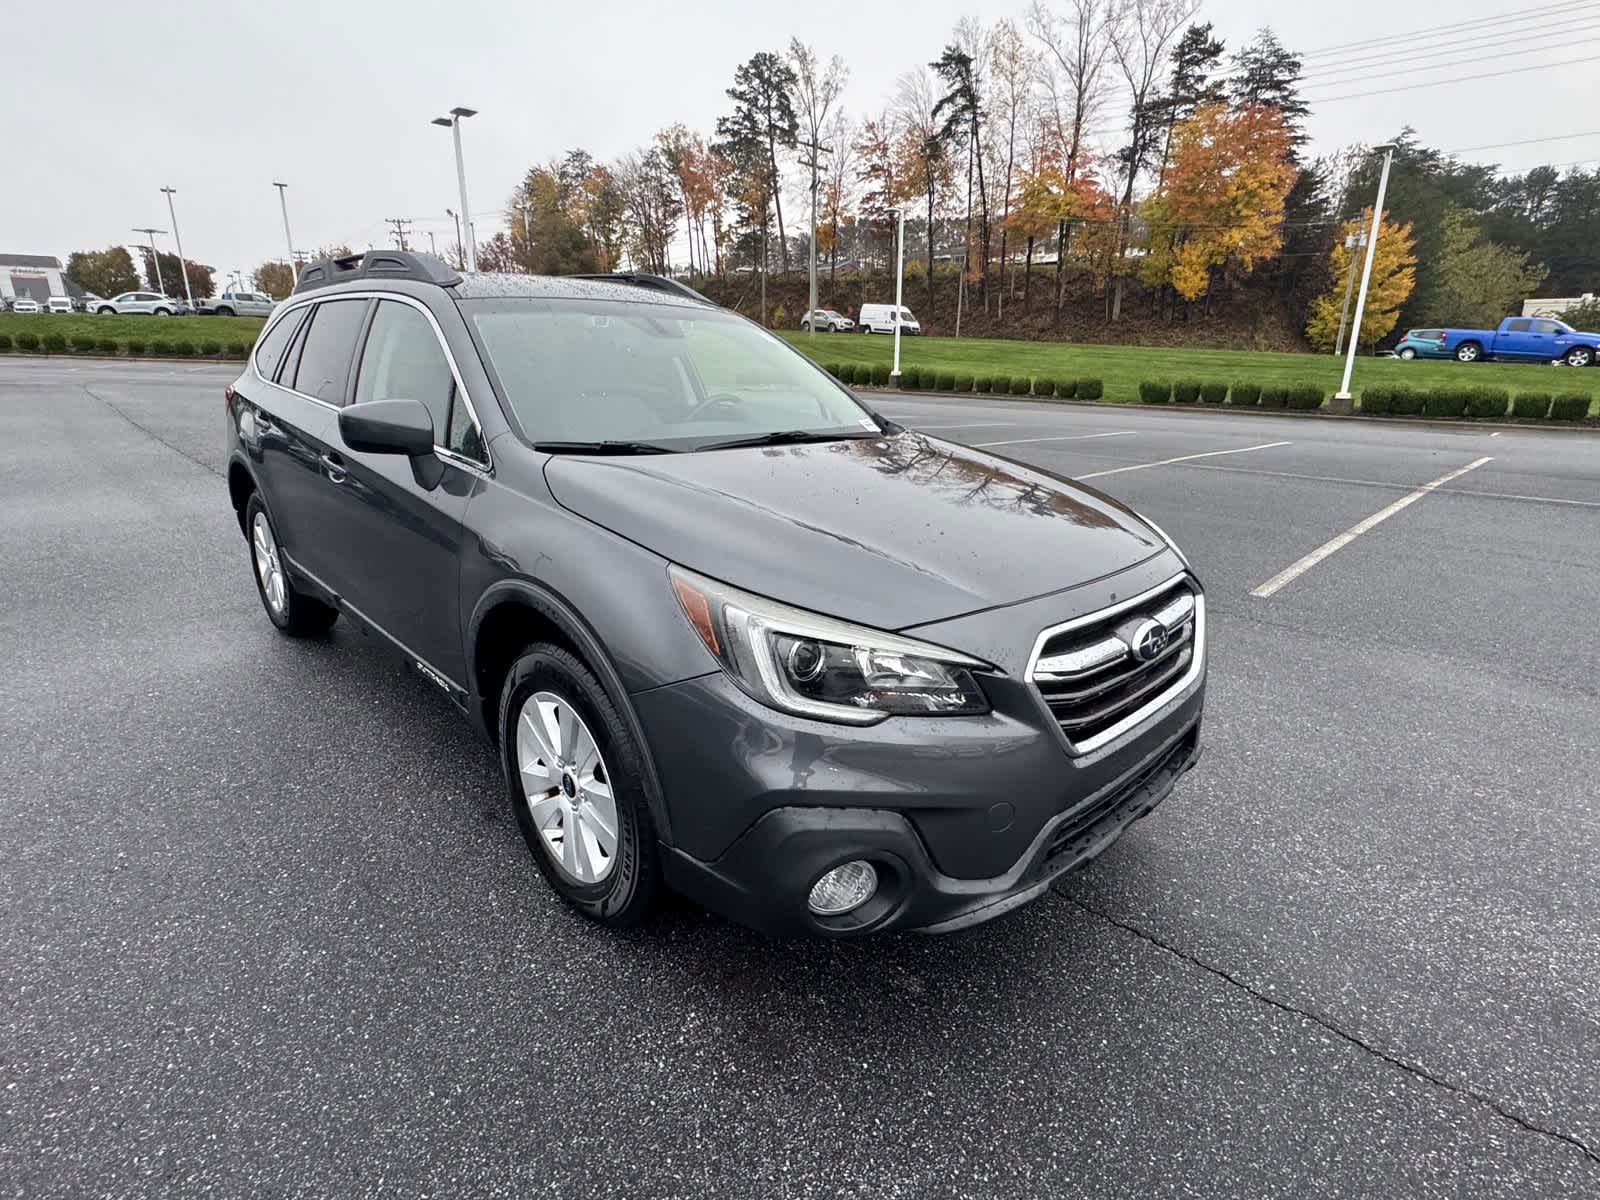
1095,673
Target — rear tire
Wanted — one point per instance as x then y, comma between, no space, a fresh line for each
1580,356
292,612
223,312
163,312
1469,352
1408,354
572,768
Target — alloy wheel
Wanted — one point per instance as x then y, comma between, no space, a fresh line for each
264,548
567,787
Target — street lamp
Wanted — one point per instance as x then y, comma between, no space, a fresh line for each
154,257
183,267
453,122
899,280
288,238
1342,401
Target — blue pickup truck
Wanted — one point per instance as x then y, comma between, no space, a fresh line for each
1519,339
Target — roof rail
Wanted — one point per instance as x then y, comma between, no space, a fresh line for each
377,264
660,283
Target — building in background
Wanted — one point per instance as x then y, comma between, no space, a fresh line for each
1554,306
36,276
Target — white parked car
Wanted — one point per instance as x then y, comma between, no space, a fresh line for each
827,321
880,318
237,304
142,302
59,304
24,304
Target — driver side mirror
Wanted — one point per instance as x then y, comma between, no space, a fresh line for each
394,427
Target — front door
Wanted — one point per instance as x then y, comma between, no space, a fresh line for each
398,541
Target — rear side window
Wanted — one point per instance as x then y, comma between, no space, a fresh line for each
328,346
1518,326
269,350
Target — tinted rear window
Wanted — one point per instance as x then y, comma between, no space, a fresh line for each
330,343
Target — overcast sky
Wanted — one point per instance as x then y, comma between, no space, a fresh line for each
111,100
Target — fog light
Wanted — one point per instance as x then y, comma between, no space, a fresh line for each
843,889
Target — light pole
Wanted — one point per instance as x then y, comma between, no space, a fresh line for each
461,253
899,280
288,238
433,247
1352,242
183,267
454,123
154,257
1342,401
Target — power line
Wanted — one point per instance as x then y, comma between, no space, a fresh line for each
1566,62
1517,19
1410,54
1555,137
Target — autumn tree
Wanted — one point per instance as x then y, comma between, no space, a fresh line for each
201,281
923,165
1393,276
650,194
105,273
1140,41
762,121
877,171
272,277
838,191
1221,203
548,236
1078,53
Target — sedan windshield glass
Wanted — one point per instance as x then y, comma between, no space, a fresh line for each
591,371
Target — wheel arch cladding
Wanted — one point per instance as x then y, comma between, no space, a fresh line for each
241,486
515,614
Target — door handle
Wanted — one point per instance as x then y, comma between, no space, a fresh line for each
333,467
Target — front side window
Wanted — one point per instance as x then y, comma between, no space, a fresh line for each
677,378
1546,327
403,360
325,352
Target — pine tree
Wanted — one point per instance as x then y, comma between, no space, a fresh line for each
1265,72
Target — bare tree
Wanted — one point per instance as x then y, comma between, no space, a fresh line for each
1077,51
816,90
841,135
917,130
1140,42
1012,76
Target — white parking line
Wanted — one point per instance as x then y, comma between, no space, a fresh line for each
1288,575
1065,437
967,425
1167,462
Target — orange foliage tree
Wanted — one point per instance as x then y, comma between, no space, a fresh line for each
1220,205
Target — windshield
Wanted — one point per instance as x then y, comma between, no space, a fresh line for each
673,377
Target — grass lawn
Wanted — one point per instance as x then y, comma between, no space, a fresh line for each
1122,367
120,328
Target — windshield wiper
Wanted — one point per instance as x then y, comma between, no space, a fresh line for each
604,447
784,437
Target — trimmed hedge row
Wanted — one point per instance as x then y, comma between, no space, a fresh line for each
1482,403
911,379
56,343
1189,391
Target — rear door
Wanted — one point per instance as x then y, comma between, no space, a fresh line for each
1516,339
398,542
300,465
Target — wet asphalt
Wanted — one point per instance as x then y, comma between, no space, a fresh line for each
267,927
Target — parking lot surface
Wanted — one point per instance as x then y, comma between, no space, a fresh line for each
269,927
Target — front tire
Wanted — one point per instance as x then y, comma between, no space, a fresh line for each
1408,354
1580,356
575,775
293,613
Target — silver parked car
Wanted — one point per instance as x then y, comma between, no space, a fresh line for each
143,302
237,304
826,320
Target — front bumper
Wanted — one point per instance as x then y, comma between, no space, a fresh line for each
764,878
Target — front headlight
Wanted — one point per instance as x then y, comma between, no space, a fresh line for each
815,666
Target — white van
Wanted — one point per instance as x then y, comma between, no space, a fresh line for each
879,318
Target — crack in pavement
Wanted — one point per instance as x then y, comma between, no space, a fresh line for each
150,433
1323,1022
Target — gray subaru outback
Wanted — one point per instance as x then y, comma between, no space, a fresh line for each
730,631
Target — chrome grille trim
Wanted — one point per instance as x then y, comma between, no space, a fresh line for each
1186,611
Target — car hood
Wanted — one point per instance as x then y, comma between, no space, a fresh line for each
892,532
